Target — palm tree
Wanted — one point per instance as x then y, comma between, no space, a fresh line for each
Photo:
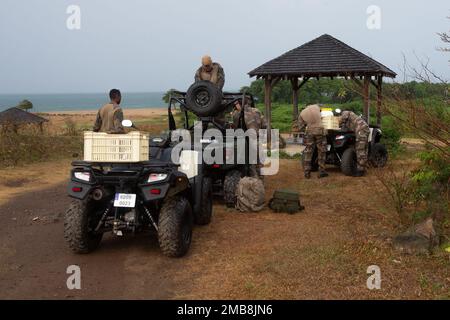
166,96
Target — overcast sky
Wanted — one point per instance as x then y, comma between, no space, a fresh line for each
154,45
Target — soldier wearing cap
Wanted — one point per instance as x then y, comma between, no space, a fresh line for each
350,121
210,71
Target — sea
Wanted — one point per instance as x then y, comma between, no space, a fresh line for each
81,101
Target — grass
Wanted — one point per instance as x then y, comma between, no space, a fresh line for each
62,138
285,155
29,146
281,116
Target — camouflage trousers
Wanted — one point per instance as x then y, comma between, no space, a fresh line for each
320,142
255,168
361,148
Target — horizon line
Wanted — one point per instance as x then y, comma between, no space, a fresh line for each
92,92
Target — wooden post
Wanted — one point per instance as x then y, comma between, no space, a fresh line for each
379,100
366,92
295,89
267,102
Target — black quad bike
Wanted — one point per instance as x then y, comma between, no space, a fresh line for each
206,103
153,195
341,150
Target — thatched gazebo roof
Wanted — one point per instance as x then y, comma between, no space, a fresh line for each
16,116
324,56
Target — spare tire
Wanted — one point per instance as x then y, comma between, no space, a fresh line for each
204,99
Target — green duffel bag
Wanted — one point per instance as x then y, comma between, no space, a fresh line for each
286,201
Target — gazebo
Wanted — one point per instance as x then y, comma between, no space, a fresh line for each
15,117
324,56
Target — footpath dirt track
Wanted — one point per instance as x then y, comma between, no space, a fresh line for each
322,252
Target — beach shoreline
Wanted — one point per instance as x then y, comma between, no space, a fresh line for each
86,118
130,112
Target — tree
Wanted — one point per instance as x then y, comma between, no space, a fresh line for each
445,37
25,105
421,109
167,95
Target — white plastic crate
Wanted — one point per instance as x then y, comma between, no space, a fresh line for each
104,147
330,122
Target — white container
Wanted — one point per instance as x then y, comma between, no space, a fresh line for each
104,147
330,123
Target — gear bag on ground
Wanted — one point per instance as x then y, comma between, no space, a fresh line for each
250,194
286,201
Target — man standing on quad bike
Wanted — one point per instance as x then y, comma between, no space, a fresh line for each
311,118
110,116
253,120
350,121
210,71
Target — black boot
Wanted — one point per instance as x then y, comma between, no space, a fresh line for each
323,174
307,175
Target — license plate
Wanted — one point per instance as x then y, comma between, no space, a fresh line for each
125,200
328,147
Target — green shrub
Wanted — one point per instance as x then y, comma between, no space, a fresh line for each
391,135
33,146
432,181
285,155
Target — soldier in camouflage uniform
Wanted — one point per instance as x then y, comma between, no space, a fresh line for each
213,72
295,130
210,71
310,118
252,116
352,122
253,120
110,116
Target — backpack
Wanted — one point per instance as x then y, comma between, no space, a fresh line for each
250,194
286,201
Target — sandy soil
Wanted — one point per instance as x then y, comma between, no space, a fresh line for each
31,178
84,115
154,118
322,252
139,112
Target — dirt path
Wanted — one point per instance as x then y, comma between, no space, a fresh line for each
322,252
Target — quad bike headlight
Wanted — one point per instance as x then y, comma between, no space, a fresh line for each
85,176
340,137
155,177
